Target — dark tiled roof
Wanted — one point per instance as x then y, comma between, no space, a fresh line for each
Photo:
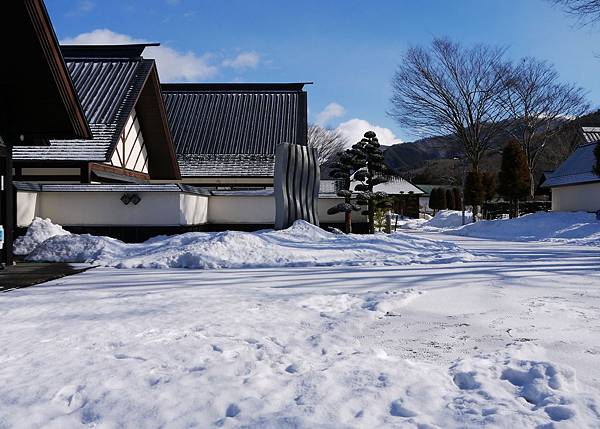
25,186
591,134
226,165
578,168
108,89
236,125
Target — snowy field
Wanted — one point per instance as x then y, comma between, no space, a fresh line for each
559,227
507,338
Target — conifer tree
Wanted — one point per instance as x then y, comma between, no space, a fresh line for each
473,192
513,176
450,200
489,186
443,204
368,153
457,199
433,200
342,170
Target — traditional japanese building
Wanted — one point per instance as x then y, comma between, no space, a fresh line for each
37,98
574,184
120,94
226,134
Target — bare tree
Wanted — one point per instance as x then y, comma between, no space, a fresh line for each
586,11
449,89
539,105
326,141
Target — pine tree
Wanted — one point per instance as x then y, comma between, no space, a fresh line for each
513,176
473,192
433,200
342,170
450,200
443,203
368,152
489,186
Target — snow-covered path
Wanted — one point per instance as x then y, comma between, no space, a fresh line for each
511,340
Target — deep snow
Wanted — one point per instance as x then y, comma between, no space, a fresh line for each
39,231
508,341
302,244
562,227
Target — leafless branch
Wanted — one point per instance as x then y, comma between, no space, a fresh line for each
586,11
449,89
326,141
539,105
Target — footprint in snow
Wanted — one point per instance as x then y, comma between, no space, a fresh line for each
559,413
232,410
292,369
466,381
397,409
70,397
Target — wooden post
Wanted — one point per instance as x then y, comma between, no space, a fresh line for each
7,209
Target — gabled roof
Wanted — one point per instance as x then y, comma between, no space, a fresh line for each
577,169
37,96
117,187
591,134
394,186
111,81
233,129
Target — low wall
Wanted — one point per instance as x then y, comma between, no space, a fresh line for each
107,209
27,207
585,197
157,209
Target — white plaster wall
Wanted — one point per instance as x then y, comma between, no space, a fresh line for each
326,203
585,197
27,207
193,209
106,208
241,209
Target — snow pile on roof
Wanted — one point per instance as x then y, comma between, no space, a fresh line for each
302,244
39,231
575,228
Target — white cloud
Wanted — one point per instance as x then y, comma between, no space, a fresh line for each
172,65
244,60
354,130
332,110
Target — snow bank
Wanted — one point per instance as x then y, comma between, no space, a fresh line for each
39,231
443,220
564,227
302,244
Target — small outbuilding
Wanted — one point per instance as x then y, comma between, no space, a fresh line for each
574,185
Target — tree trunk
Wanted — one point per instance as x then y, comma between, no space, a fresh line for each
531,184
371,206
348,222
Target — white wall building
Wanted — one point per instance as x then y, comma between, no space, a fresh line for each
574,185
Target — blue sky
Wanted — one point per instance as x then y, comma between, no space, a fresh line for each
348,48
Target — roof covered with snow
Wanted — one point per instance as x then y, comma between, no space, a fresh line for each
395,186
37,187
233,129
108,87
578,168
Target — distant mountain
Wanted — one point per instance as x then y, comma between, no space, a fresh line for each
432,160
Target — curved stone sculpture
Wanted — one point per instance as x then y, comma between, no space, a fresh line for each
296,185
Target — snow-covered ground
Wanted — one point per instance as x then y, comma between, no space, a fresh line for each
511,339
301,245
561,227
